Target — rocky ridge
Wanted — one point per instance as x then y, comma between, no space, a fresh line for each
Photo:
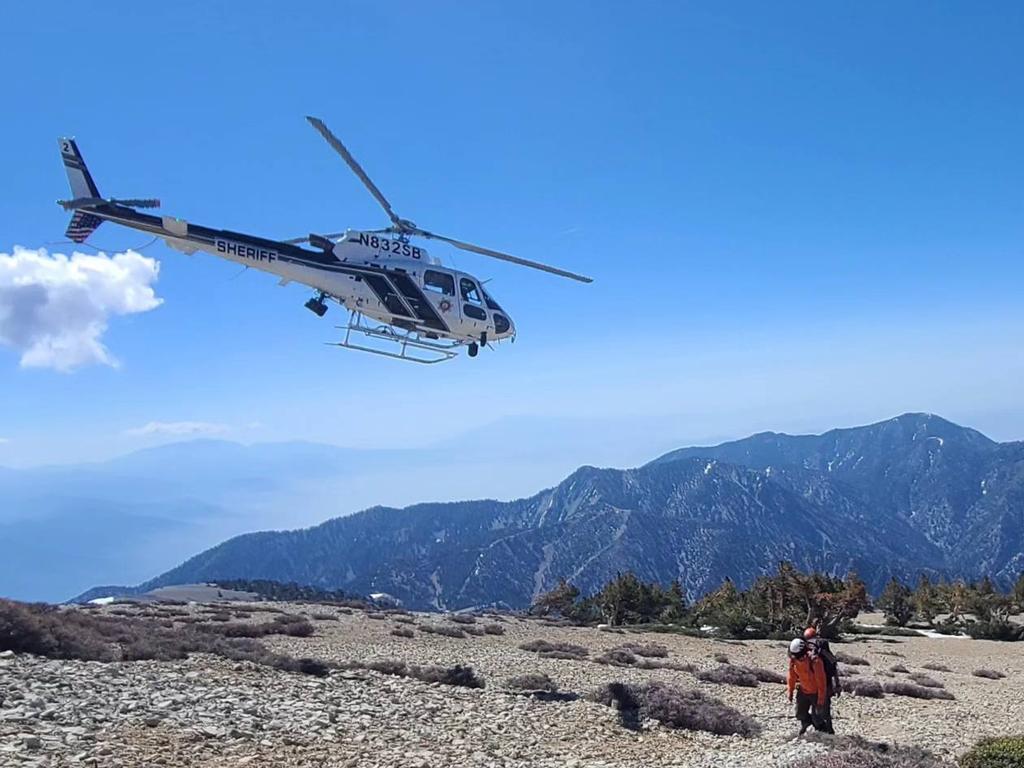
209,712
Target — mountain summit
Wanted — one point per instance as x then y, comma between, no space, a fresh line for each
914,493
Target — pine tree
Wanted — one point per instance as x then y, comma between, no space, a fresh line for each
621,599
959,598
675,609
1018,593
986,587
896,601
561,599
726,609
927,600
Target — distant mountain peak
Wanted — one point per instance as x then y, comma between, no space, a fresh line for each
913,493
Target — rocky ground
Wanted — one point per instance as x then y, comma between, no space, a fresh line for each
210,712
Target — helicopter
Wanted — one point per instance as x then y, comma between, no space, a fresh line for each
402,302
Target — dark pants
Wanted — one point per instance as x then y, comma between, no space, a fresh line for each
824,714
807,711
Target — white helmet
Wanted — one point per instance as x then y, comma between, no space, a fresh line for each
798,646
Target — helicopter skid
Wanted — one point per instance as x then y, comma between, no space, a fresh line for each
409,344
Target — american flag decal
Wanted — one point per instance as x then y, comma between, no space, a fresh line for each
82,225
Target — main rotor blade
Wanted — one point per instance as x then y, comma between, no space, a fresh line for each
503,256
340,148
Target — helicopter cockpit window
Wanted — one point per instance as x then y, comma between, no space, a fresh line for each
469,291
439,282
491,303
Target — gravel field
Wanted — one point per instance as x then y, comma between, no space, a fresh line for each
210,712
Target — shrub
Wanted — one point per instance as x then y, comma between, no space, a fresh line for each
884,673
294,626
863,686
994,630
442,629
936,667
323,616
545,647
845,670
536,681
462,618
457,675
721,658
898,668
928,682
647,650
903,688
765,675
300,628
374,616
403,632
1004,752
401,619
665,664
727,674
853,661
313,667
856,752
73,634
858,629
617,657
385,666
675,707
991,674
565,655
494,629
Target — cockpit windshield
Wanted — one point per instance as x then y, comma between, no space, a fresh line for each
491,303
469,290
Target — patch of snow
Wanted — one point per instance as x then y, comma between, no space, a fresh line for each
542,569
709,467
941,441
939,636
102,601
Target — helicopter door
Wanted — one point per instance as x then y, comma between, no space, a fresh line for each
473,312
439,288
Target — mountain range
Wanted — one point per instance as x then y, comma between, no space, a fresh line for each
123,519
912,494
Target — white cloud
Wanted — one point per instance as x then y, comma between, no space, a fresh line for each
54,309
4,440
178,428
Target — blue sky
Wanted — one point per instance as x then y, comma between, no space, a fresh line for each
795,220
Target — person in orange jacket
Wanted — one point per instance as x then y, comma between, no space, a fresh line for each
807,680
818,646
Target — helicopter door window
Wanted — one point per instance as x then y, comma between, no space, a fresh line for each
474,312
439,282
469,291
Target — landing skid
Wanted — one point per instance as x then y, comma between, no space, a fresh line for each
409,343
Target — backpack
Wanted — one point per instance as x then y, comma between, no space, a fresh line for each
822,651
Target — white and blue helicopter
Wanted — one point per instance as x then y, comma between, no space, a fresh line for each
402,303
